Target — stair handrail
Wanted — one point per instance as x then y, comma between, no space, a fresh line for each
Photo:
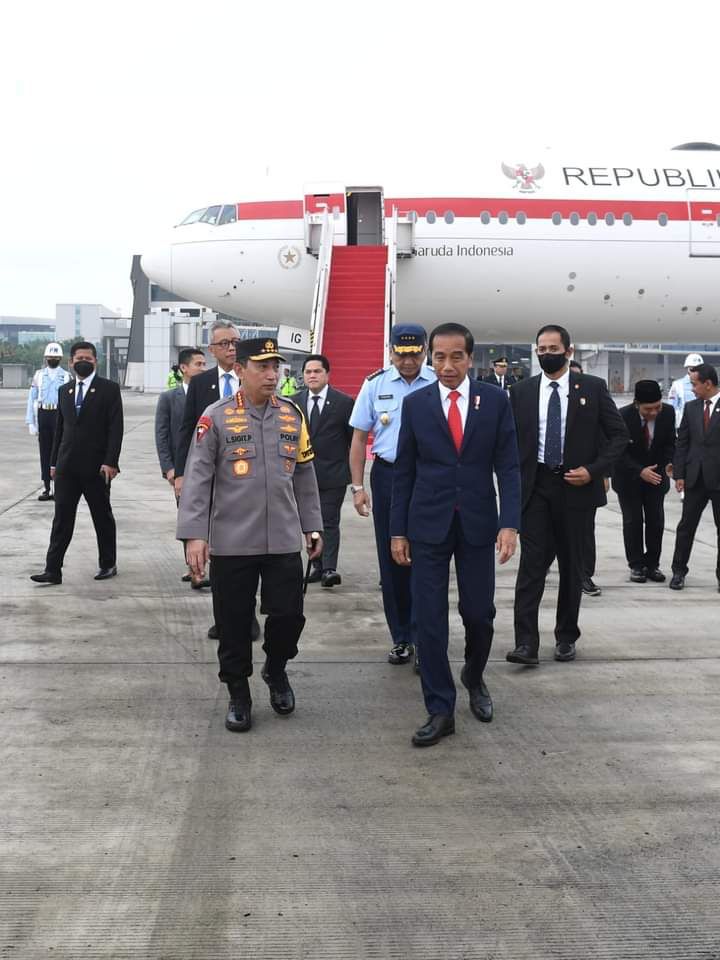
322,281
390,279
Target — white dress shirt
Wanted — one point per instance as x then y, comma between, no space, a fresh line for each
234,381
543,401
186,385
321,401
462,401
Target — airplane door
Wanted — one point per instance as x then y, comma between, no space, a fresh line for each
365,219
704,217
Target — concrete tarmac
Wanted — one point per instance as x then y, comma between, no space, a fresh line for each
583,822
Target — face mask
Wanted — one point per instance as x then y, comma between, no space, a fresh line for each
83,368
552,362
53,361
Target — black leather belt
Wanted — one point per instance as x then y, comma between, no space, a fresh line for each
385,463
557,471
47,406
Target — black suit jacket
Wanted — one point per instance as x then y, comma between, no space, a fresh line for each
697,452
595,436
202,391
82,444
626,471
509,380
331,439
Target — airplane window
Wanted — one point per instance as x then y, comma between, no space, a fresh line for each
193,217
557,218
431,216
627,219
610,219
485,217
210,215
502,216
449,216
229,214
592,219
663,219
574,219
520,218
412,216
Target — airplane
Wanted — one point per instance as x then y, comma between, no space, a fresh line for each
614,249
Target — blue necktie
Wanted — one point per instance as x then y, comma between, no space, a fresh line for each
79,397
553,438
227,389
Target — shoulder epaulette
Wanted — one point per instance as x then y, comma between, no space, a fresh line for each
293,403
376,373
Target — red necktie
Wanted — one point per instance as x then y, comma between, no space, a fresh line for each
706,415
455,420
646,434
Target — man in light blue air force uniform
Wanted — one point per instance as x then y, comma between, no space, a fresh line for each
41,415
377,410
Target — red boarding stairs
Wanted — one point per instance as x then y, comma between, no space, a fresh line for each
354,327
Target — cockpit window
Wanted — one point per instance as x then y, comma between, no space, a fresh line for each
211,215
229,213
193,217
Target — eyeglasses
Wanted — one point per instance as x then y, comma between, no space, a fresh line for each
225,344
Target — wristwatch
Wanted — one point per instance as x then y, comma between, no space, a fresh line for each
356,489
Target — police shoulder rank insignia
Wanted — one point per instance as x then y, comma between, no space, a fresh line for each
203,425
375,373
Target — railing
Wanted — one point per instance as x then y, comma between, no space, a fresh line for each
390,279
322,281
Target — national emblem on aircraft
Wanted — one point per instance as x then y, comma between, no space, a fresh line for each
525,177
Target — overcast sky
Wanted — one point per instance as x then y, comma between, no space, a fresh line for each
118,119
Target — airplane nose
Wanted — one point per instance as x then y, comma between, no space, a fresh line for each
157,265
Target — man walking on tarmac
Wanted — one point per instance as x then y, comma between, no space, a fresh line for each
41,416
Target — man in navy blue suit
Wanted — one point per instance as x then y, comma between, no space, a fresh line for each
455,434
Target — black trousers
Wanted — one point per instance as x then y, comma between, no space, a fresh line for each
695,500
643,513
69,487
589,549
234,585
548,530
331,501
47,420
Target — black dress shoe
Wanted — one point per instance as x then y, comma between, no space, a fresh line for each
213,632
523,654
565,650
481,704
186,579
438,725
656,575
590,588
330,578
238,718
315,574
47,576
282,698
638,575
199,584
46,495
104,573
677,582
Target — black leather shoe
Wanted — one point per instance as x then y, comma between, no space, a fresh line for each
199,584
282,698
438,725
481,704
565,650
677,582
238,718
315,575
656,575
213,632
638,575
590,588
186,579
330,578
47,576
523,654
104,573
46,495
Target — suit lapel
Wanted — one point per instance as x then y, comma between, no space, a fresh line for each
473,413
574,391
436,410
714,419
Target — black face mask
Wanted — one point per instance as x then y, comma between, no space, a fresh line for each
53,362
552,362
83,368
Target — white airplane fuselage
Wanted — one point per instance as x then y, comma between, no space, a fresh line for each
615,253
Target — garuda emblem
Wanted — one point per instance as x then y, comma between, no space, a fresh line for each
525,177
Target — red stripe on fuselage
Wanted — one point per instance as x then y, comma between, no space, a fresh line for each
271,210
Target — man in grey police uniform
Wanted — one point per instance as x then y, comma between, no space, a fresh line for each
377,409
250,469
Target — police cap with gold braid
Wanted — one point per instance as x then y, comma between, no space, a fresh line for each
259,348
408,338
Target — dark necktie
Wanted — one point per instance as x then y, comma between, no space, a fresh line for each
314,415
455,419
79,396
706,415
646,434
553,437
